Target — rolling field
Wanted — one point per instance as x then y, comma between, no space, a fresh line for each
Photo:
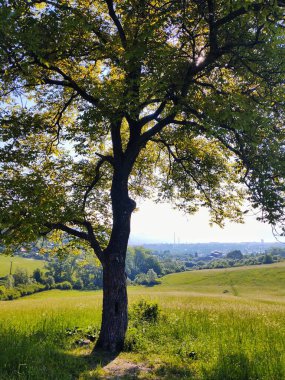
202,333
18,262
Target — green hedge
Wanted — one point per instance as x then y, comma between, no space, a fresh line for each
65,285
20,291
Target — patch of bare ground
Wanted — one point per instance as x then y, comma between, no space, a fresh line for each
124,369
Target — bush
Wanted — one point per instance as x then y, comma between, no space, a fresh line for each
20,291
267,259
78,285
49,281
38,276
134,340
21,276
65,285
145,311
10,282
26,290
12,294
2,291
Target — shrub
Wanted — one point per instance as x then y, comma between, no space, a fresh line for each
134,340
12,294
2,291
21,276
26,290
10,282
49,281
38,276
65,285
78,284
267,259
145,311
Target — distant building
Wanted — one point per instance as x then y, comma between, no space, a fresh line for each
216,254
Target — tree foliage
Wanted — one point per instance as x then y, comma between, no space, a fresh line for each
103,101
190,94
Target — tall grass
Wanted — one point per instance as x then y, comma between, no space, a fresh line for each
201,339
210,336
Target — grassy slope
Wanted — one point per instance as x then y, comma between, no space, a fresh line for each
18,262
266,281
232,337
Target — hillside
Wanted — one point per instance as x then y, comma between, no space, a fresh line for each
204,333
264,281
18,262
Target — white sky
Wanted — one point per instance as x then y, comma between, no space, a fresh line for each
157,223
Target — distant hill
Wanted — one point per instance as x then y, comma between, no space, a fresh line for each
265,282
18,262
206,248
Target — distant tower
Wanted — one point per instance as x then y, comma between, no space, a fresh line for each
174,239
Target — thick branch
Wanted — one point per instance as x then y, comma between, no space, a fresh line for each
241,11
92,238
67,82
114,17
237,13
212,26
153,116
89,236
146,136
117,141
68,230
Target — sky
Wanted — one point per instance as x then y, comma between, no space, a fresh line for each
160,223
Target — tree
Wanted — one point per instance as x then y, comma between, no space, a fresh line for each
103,101
267,259
21,277
38,276
235,254
151,277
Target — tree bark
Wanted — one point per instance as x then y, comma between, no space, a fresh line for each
115,301
115,305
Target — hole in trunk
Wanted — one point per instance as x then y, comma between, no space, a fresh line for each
116,308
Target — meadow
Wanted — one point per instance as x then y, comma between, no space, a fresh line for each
18,262
213,325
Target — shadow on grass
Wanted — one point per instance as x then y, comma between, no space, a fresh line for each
231,367
40,356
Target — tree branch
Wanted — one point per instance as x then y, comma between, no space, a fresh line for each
146,136
92,238
114,17
188,172
117,141
67,82
68,230
95,180
212,25
146,119
89,236
59,117
238,12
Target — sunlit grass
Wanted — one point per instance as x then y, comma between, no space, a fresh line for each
18,262
202,333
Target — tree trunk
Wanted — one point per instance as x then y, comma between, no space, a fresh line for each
115,301
115,306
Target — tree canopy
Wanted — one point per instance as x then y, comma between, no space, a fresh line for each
190,93
104,101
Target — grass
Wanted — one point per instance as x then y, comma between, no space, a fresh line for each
18,262
202,333
262,282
